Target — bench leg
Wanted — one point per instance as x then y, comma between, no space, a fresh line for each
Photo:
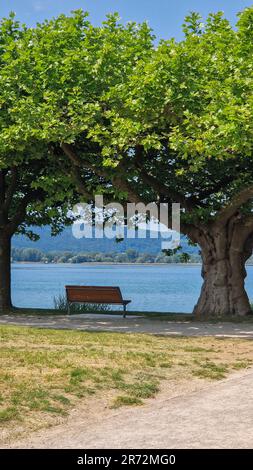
124,314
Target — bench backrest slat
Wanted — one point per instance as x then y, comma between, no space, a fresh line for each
94,294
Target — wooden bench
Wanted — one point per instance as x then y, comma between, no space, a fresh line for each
95,295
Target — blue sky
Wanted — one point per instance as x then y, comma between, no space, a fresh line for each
164,16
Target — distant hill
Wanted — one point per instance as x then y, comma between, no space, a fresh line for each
67,242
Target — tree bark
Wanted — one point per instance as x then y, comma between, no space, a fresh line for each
5,272
224,253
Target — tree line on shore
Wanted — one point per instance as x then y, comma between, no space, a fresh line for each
129,256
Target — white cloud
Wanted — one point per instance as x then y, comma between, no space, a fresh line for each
39,6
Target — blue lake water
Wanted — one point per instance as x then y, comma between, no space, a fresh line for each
161,288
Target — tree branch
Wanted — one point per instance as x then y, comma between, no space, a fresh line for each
79,183
118,180
187,203
216,187
2,186
80,162
162,189
11,188
67,149
236,202
20,215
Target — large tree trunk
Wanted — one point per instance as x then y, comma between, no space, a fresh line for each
223,291
5,272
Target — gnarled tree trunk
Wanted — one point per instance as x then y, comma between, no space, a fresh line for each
224,253
5,272
14,200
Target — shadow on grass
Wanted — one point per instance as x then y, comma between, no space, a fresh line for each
168,316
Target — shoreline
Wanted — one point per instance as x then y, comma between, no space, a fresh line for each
104,263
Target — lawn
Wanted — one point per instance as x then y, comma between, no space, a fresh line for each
46,373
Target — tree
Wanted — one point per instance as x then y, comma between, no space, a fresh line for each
28,198
34,188
43,70
182,129
171,123
185,258
57,81
132,254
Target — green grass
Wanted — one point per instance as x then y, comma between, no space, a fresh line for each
124,400
45,373
140,390
7,414
210,370
242,364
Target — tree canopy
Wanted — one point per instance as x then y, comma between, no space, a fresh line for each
140,122
112,95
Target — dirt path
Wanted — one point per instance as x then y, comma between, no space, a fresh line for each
218,416
132,325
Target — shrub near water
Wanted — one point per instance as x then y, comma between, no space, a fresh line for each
61,304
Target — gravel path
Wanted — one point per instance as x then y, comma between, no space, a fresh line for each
218,416
116,323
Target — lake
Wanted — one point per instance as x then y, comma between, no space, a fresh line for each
160,288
